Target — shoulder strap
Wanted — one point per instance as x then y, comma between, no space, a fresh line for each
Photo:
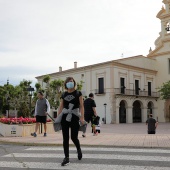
63,95
77,93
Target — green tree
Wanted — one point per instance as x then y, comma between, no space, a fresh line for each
38,86
164,90
17,97
56,88
46,79
23,110
80,85
3,99
21,99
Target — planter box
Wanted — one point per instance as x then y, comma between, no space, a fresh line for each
50,128
27,129
10,130
22,130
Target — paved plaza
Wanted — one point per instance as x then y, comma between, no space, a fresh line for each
113,135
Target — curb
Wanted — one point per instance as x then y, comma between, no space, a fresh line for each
82,145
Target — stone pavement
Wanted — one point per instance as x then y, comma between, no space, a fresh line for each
112,135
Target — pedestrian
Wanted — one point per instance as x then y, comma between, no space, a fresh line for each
72,110
90,113
42,108
152,125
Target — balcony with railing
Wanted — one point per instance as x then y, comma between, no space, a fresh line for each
100,91
130,92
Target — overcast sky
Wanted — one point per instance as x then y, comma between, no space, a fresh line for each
38,36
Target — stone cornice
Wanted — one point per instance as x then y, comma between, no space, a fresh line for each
163,16
154,52
158,54
109,63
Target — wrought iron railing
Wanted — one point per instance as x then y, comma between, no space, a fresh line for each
99,91
133,92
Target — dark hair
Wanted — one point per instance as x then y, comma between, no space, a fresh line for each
150,115
40,92
67,80
91,95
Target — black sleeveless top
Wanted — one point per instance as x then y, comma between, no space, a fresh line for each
72,98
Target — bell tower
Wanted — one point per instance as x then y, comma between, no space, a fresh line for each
167,5
164,16
164,35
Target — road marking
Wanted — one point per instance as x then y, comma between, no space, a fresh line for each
105,160
103,149
91,156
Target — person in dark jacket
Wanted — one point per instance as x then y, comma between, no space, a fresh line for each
152,125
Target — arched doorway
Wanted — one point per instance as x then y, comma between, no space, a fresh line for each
122,112
137,112
149,109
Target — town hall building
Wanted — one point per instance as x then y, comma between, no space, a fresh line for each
126,89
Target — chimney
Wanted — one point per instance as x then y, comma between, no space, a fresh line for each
75,64
60,69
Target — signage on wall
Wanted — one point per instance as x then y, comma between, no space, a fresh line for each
13,130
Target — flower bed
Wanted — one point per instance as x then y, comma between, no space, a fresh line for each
20,126
20,120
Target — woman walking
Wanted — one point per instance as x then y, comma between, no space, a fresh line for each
72,110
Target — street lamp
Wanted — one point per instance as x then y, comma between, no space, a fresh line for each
8,99
30,90
105,113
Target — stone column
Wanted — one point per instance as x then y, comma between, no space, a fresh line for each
129,115
144,114
117,114
155,113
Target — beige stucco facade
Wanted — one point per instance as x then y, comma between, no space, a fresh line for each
161,54
129,85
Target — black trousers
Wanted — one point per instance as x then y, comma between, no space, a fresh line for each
74,126
151,132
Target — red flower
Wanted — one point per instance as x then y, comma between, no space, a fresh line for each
19,120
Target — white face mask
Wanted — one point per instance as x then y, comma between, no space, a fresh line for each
70,85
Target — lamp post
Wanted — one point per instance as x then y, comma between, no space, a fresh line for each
105,113
8,99
30,90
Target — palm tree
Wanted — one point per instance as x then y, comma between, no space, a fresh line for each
56,88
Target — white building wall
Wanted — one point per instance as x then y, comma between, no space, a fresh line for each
163,76
101,99
111,75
